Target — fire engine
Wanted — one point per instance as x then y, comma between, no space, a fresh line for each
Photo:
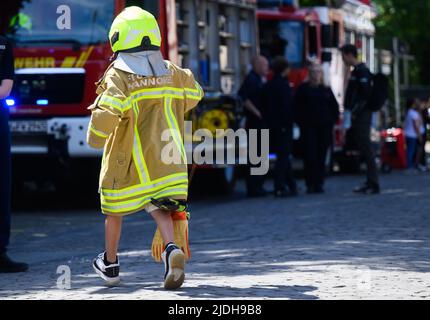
62,49
304,34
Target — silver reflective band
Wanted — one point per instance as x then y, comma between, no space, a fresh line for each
151,94
141,189
191,93
111,102
143,201
174,128
138,156
98,133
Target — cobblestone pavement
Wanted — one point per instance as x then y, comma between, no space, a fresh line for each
333,246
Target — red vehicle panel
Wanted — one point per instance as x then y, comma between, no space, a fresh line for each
306,18
393,151
92,59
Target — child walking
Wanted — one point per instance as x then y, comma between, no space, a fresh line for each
142,97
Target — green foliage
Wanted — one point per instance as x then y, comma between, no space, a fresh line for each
8,9
407,20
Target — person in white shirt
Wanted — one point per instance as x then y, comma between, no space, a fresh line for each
414,130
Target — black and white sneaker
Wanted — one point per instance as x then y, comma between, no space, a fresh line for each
109,272
174,263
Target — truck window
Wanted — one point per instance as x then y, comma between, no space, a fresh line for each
285,38
313,41
148,5
327,36
39,21
336,35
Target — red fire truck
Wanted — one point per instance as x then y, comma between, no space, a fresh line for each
315,34
61,50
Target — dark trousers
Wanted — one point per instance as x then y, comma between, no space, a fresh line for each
316,141
254,183
412,146
362,137
5,177
282,142
423,156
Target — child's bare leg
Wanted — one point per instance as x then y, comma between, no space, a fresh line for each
165,224
112,235
173,257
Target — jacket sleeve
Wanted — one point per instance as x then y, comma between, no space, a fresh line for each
106,111
193,92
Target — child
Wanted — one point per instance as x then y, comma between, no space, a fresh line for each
140,98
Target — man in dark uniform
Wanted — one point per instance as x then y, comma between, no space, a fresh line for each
6,83
278,103
356,101
250,92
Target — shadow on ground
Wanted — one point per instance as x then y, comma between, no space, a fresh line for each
242,238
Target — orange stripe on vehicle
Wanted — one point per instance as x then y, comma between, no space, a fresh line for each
68,62
84,57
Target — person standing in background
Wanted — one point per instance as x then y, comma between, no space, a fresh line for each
356,102
278,103
316,111
250,92
6,83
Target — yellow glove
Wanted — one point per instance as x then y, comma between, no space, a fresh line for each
180,228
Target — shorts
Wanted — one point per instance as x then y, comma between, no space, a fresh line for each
150,208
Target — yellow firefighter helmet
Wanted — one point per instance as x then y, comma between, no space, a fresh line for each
135,30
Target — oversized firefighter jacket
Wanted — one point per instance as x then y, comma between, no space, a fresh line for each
140,122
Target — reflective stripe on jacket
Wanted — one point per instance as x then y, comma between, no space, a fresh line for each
139,121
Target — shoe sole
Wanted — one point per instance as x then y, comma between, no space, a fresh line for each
176,276
111,282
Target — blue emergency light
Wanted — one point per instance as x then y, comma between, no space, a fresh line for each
42,102
276,3
10,102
